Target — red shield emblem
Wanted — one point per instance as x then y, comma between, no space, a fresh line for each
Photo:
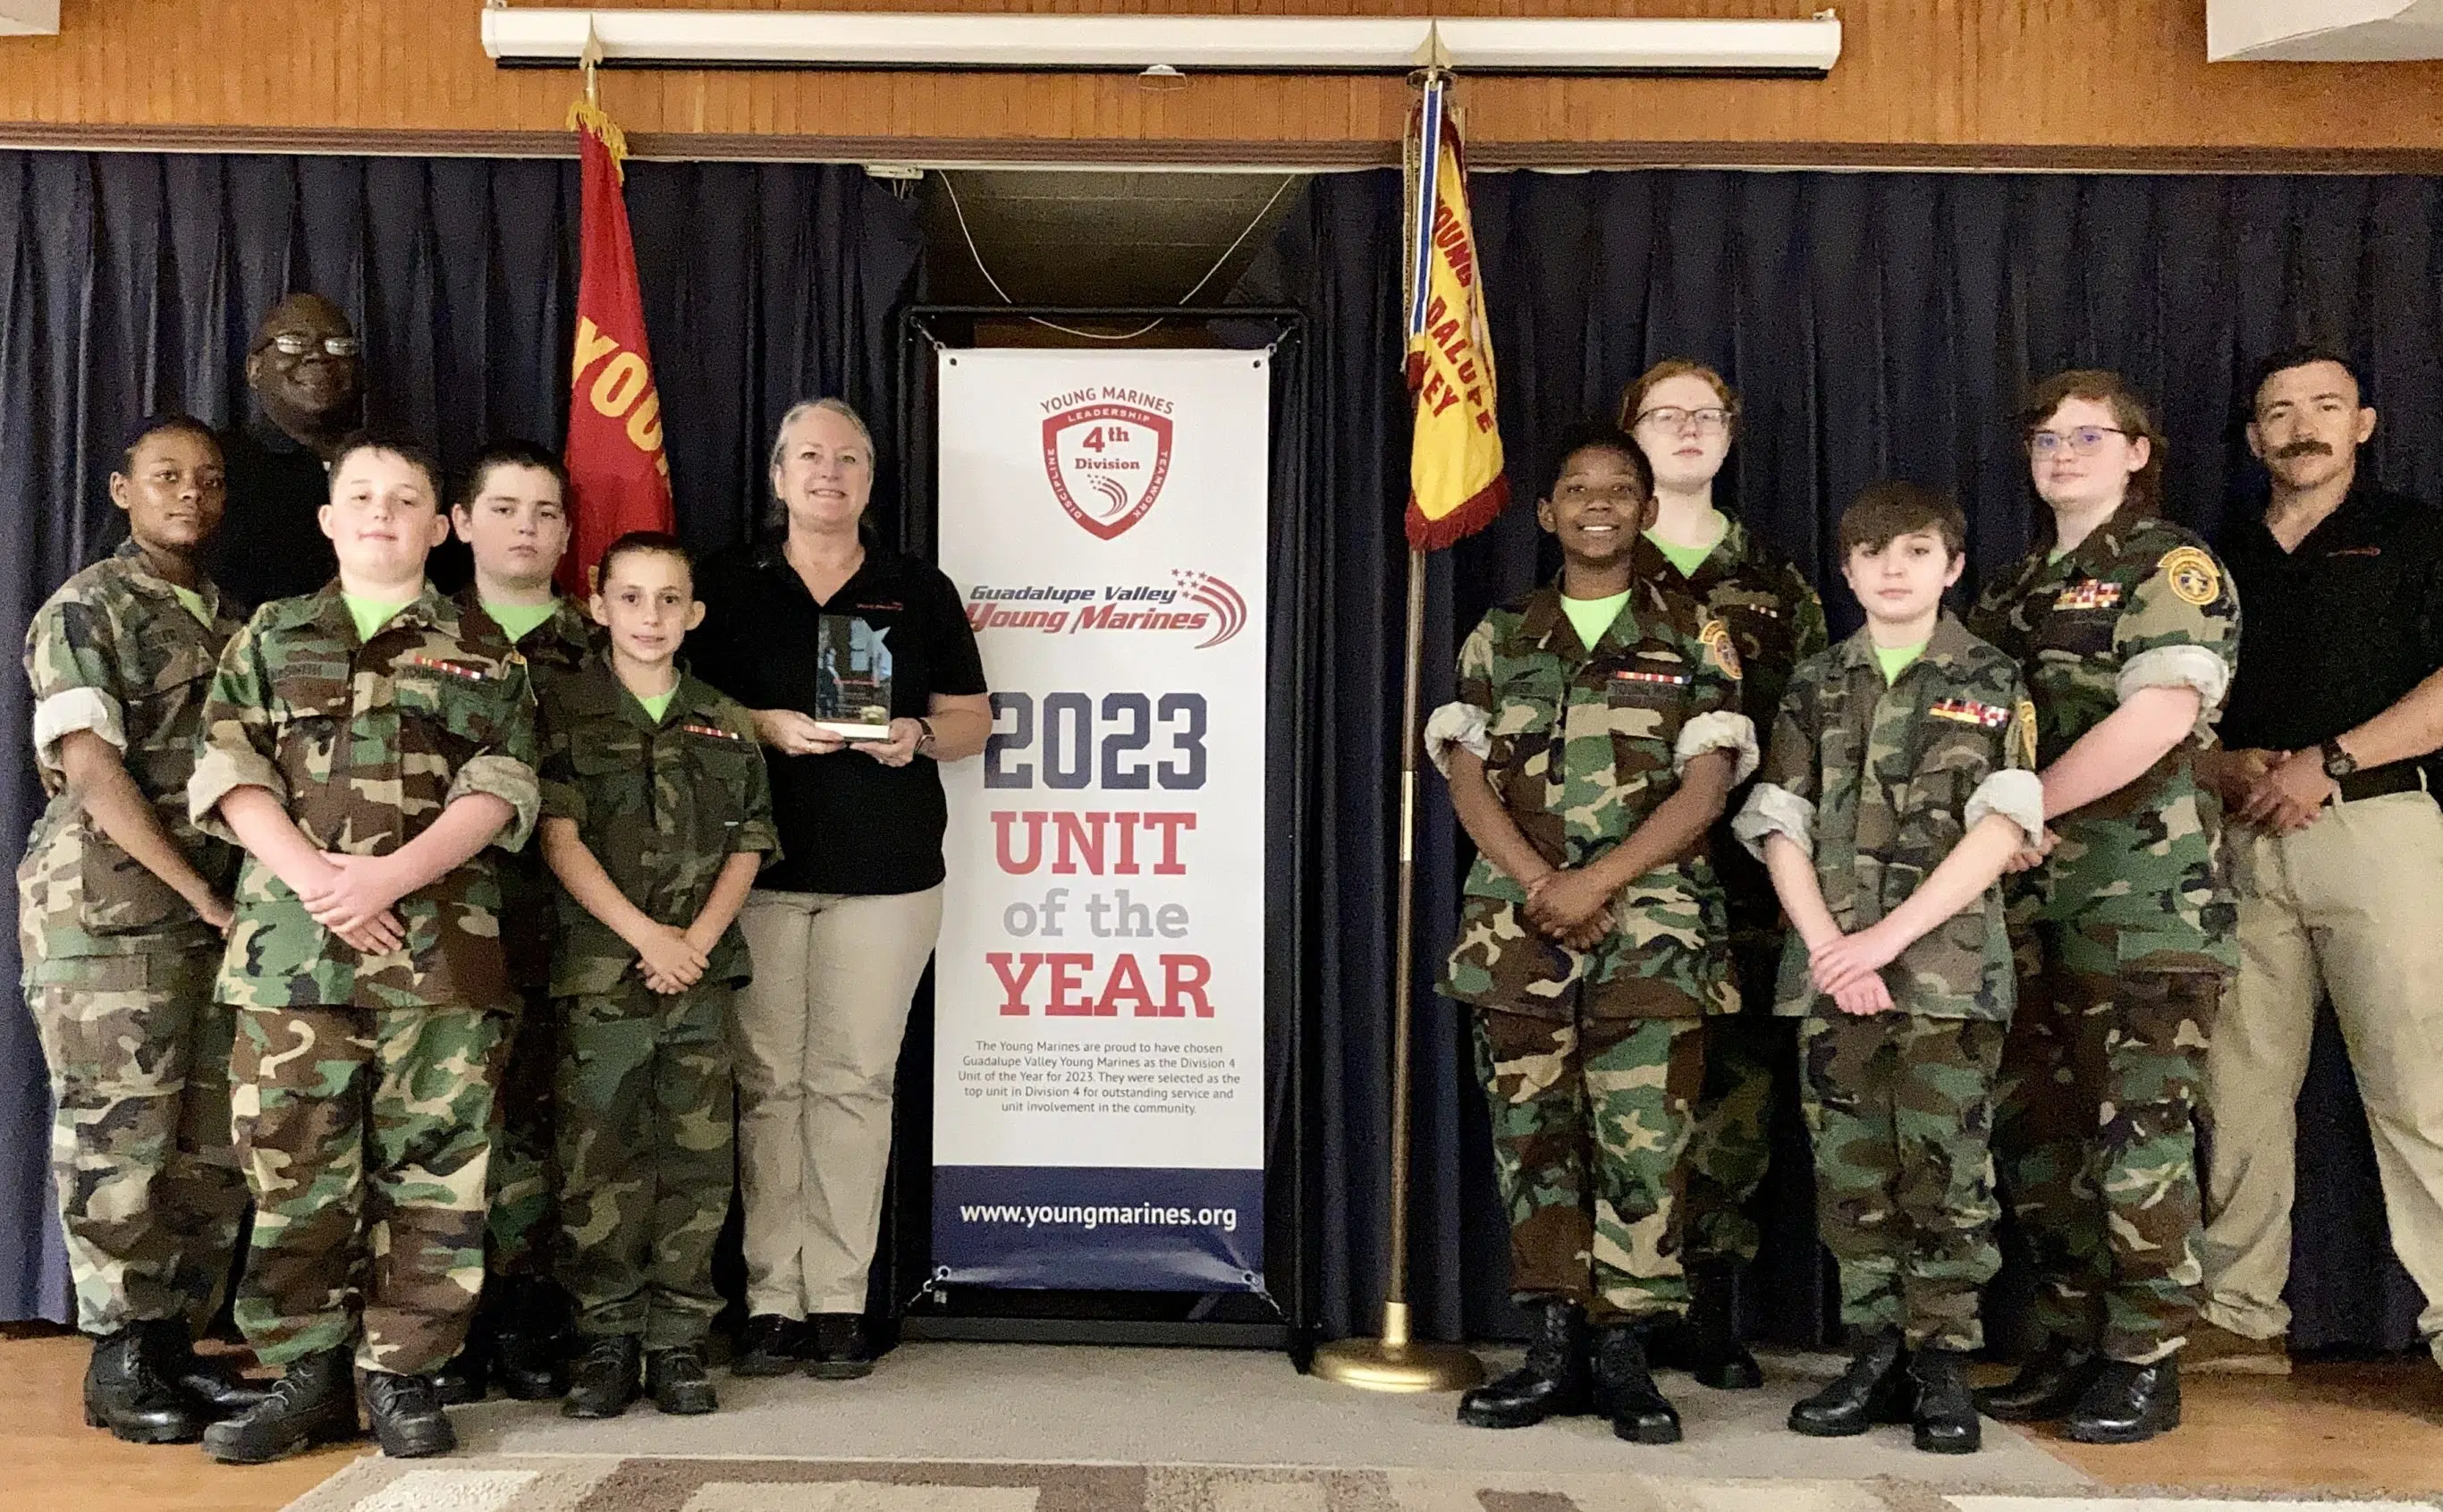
1107,463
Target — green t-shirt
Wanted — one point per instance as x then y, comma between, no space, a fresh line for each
194,602
1688,559
519,619
1895,660
370,615
1592,616
658,704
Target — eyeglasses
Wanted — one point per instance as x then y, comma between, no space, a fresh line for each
288,343
2083,442
1710,422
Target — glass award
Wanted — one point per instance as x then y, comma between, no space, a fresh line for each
852,679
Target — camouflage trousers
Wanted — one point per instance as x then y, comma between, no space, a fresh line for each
646,1145
1901,1110
522,1228
2095,1140
1746,1068
365,1135
1591,1120
141,1165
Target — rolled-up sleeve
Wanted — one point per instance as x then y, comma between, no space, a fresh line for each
1719,730
2017,795
509,780
1772,809
237,742
2176,667
1461,725
64,713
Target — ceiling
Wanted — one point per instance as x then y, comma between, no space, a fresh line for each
1068,237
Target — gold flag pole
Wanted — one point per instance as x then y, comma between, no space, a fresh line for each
1396,1361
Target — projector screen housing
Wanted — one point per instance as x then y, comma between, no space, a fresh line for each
556,38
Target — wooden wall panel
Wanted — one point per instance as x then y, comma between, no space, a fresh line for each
2091,83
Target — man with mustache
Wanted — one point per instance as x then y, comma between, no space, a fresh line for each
2335,849
307,383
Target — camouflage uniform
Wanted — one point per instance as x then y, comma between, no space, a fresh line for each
116,963
363,1086
644,1079
2124,937
1590,1059
1878,782
1777,621
521,1232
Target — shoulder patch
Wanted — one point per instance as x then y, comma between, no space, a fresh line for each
2191,574
2027,716
1717,637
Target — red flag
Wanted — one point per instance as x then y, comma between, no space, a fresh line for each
618,471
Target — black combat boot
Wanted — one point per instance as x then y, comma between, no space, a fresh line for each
1944,1418
214,1382
2045,1389
467,1379
313,1402
2128,1404
1625,1389
1553,1381
131,1388
1713,1352
1875,1389
604,1381
406,1416
837,1347
770,1345
530,1339
675,1379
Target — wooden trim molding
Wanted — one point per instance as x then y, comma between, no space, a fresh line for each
1210,155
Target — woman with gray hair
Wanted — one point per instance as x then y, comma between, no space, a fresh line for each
862,673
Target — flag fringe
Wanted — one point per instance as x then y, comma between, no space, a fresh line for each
1481,509
583,116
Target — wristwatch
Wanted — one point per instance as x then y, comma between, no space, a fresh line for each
2338,763
925,741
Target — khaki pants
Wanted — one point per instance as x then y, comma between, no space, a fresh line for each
2352,904
818,1049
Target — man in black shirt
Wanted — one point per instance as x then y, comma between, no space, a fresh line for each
303,372
2335,848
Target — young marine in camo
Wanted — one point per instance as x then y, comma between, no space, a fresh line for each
512,513
1899,785
368,749
1697,562
657,817
1590,747
2127,630
119,906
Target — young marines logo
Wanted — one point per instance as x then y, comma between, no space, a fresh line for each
2026,714
1717,636
1107,460
2193,575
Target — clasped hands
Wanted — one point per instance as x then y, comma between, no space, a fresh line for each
672,959
2276,791
354,900
1570,907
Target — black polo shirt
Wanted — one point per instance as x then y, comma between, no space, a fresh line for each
848,823
2339,627
271,543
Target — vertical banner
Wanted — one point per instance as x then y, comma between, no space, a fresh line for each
1098,1085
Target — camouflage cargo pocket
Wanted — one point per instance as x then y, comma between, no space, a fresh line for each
120,894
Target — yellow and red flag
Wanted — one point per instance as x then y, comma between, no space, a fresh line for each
1456,485
617,471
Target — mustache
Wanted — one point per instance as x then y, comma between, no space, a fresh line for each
2305,447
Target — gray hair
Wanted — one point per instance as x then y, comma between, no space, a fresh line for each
805,407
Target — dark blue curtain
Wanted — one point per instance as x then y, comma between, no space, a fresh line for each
129,284
1876,325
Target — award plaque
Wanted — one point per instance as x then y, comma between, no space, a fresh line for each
852,679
